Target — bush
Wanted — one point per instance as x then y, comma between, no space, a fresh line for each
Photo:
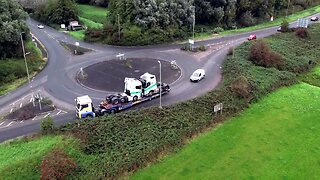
56,165
92,35
202,48
242,88
302,32
230,51
47,126
261,54
285,26
218,30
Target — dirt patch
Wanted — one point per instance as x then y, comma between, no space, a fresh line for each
74,49
109,75
29,112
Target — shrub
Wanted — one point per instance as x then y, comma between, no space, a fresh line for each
202,48
218,29
302,32
261,54
56,165
93,34
242,88
285,26
185,47
47,126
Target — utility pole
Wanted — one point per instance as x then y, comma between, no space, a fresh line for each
118,26
287,8
25,61
194,21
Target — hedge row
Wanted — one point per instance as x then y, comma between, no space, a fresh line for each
130,140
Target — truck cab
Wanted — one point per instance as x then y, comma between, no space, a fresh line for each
149,84
132,89
84,107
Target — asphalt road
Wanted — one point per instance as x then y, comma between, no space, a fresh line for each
57,80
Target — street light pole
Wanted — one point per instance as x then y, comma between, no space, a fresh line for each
25,61
160,106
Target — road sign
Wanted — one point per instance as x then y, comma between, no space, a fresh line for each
77,43
303,23
120,56
191,41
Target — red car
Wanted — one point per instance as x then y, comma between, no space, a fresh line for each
252,37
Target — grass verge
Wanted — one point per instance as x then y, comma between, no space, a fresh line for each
13,71
279,135
93,13
78,34
312,77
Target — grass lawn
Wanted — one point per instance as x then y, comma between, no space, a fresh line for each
93,13
18,159
276,22
312,77
277,138
78,34
35,64
90,16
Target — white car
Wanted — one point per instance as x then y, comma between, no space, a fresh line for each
314,18
40,26
197,75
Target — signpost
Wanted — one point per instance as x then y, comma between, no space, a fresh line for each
120,56
77,44
303,23
191,42
218,108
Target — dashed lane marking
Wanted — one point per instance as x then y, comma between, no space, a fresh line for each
11,110
59,112
21,121
2,123
10,124
34,118
46,115
30,99
20,105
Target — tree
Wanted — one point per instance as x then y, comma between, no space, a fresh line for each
12,23
63,11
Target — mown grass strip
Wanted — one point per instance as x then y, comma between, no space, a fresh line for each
275,138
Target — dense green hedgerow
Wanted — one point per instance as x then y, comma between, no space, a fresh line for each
127,141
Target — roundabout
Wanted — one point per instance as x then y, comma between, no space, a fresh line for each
109,75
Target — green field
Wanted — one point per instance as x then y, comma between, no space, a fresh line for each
312,77
93,13
19,159
277,138
92,17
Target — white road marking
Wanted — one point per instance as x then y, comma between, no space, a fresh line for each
30,99
20,105
11,110
21,121
46,115
10,124
34,118
59,112
2,123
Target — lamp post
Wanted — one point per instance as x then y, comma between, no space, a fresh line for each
160,106
25,61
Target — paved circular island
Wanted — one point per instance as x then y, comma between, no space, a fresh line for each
109,75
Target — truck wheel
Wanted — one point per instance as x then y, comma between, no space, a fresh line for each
151,93
123,100
135,98
116,101
112,111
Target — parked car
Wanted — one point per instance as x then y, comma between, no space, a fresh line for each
40,26
279,29
197,75
252,37
314,18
